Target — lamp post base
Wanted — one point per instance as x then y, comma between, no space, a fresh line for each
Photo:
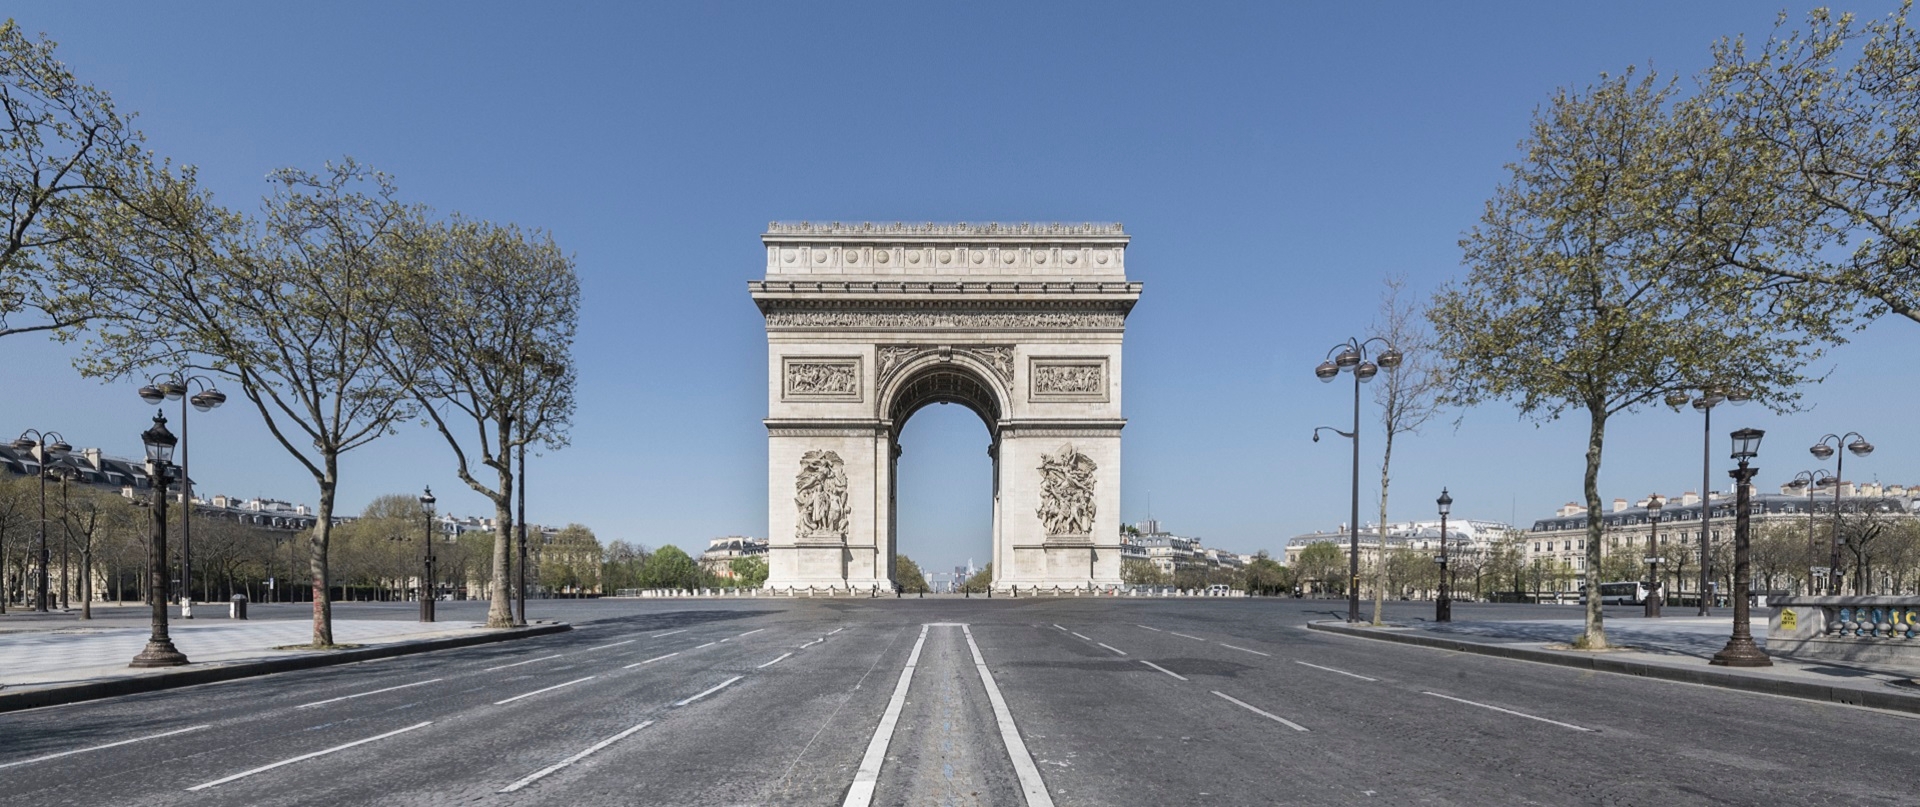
159,653
1741,652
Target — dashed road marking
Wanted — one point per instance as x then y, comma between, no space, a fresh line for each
1151,628
650,661
1163,669
1111,647
538,691
537,775
605,646
1509,711
716,688
100,747
1262,712
303,757
1332,670
528,661
773,662
1245,650
361,695
1184,636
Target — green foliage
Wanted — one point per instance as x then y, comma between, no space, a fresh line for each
1138,572
748,572
623,566
908,576
1266,576
570,563
1324,565
671,567
980,581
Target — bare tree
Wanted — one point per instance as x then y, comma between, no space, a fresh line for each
1408,396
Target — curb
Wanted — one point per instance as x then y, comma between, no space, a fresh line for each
1708,676
228,671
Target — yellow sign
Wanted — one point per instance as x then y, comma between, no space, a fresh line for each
1787,619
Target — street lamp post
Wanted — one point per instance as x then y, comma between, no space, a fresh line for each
46,447
1821,451
1443,607
1654,595
1351,355
426,585
1811,480
66,475
174,387
1740,650
1704,404
159,651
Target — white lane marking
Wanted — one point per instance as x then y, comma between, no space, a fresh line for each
1184,636
1151,628
1245,650
1083,637
707,645
302,757
650,661
1111,647
812,643
868,776
1030,783
1057,625
751,632
536,775
669,633
773,662
108,745
538,691
834,631
1261,712
528,661
1509,711
716,688
605,646
364,694
1163,669
1332,670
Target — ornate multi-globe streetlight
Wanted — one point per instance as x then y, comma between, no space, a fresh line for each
159,651
1654,596
1811,481
1443,605
1351,356
1858,447
1704,404
46,448
174,387
1740,650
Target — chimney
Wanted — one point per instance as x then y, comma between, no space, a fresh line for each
1619,505
1688,498
92,457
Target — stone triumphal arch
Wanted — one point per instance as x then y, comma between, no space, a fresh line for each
867,323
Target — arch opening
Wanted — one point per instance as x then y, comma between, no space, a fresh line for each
941,382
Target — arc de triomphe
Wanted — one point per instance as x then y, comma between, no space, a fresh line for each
867,323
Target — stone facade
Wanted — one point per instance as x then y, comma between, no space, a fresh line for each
867,323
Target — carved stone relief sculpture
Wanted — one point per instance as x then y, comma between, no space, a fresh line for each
820,494
1066,492
828,378
999,358
1068,379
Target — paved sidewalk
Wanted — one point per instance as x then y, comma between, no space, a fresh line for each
76,653
1673,648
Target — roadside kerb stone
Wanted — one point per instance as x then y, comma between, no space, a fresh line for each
214,672
1706,675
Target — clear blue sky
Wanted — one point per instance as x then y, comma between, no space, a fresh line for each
1273,161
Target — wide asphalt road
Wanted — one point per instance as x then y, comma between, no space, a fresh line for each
956,702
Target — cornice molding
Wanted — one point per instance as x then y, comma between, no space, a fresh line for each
990,229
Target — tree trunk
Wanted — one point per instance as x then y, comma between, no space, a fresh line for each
1380,556
86,581
499,607
1595,637
317,557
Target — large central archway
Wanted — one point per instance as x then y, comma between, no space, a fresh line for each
1022,324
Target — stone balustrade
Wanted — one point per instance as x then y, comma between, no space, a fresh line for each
1880,632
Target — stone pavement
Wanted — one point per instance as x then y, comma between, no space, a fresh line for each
74,653
1672,643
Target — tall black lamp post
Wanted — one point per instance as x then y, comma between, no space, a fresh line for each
159,651
1443,606
1704,404
1351,355
174,387
1654,595
1811,480
1821,451
46,448
1740,650
427,593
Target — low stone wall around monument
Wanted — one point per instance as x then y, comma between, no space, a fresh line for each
1876,632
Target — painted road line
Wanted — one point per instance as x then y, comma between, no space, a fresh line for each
101,747
605,646
1332,670
1245,650
1509,711
716,688
1184,636
834,631
1261,712
1163,669
537,775
1151,628
528,661
1030,784
669,633
651,660
538,691
364,694
1083,637
812,643
773,662
751,632
707,645
1111,647
1057,625
303,757
868,776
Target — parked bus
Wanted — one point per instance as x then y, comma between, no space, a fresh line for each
1622,593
